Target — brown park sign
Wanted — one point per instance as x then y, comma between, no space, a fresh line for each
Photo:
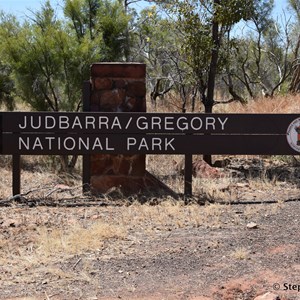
86,133
42,133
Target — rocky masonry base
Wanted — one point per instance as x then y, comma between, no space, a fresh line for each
119,87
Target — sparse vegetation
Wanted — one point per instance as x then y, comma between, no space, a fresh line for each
111,246
240,253
55,248
76,239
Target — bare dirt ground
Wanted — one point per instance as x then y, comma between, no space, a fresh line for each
236,239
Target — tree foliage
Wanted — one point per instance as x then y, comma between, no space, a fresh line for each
46,58
50,57
6,87
204,24
188,45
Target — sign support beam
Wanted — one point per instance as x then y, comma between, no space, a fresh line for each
86,159
16,166
188,175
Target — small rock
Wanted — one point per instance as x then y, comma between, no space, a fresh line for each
62,187
94,217
268,296
242,185
252,225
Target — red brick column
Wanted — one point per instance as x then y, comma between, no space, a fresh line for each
118,87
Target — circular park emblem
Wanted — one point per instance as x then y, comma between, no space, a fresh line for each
293,135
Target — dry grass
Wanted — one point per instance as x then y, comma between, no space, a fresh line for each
41,234
241,253
277,104
23,298
59,246
5,183
76,239
215,190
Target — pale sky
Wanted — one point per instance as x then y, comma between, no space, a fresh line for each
19,7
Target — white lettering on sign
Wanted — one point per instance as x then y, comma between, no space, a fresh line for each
90,122
141,123
50,141
196,123
37,144
210,121
76,123
116,123
103,121
156,123
68,143
49,122
169,123
128,123
223,122
182,123
63,122
152,144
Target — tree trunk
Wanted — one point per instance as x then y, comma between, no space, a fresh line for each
213,63
295,83
209,100
127,35
156,91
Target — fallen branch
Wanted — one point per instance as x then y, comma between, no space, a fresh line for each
62,189
227,101
21,198
77,262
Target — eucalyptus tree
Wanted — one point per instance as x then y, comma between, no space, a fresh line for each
204,24
153,42
50,57
266,49
102,21
48,64
260,59
295,82
278,61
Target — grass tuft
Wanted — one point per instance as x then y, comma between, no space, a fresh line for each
77,239
241,253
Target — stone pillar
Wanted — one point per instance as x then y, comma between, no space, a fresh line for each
118,87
